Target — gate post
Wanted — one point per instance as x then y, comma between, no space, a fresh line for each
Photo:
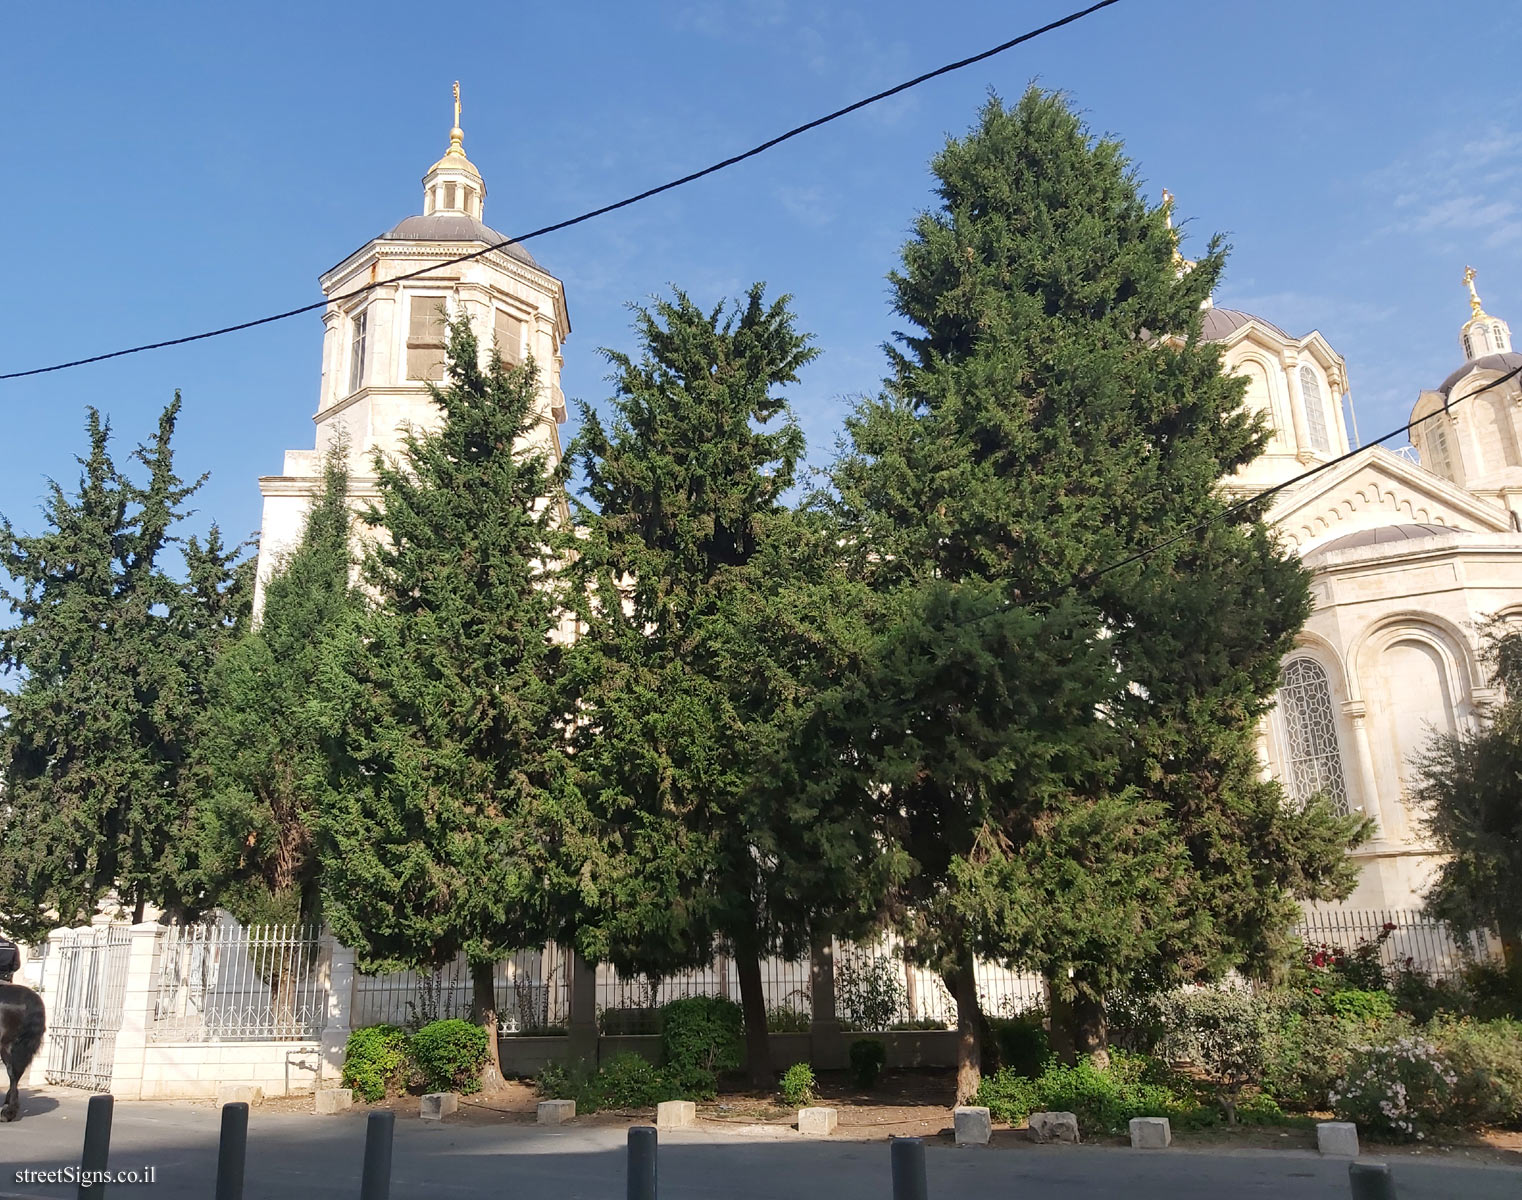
827,1045
336,1029
138,995
582,1027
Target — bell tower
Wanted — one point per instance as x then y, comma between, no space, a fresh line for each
385,332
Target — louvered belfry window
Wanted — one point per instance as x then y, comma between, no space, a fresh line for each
1313,756
426,329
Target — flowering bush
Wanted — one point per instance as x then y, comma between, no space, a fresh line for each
1398,1091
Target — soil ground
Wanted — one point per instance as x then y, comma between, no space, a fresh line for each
917,1103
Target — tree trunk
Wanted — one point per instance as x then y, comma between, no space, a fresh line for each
758,1050
483,1008
137,911
1091,1027
970,1026
1060,1013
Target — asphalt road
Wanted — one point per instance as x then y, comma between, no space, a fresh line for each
296,1155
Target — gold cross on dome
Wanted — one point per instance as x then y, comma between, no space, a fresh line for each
1474,296
457,103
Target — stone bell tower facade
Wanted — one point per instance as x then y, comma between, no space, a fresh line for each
384,333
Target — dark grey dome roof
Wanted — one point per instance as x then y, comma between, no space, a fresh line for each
1385,534
1489,362
453,227
1222,322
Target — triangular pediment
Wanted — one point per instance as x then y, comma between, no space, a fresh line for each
1375,488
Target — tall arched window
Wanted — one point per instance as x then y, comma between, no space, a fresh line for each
1442,456
1315,409
1313,759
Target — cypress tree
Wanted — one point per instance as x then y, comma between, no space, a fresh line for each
711,675
261,756
1052,411
110,656
446,825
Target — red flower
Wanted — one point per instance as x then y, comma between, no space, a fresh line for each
1388,927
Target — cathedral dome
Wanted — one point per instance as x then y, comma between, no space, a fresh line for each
445,225
1220,323
1509,361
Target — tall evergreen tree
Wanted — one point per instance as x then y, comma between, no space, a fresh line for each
261,753
1053,411
718,631
110,655
1470,794
447,825
67,751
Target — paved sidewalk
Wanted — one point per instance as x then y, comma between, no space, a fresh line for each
294,1156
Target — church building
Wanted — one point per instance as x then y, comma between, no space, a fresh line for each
1408,554
384,333
1409,550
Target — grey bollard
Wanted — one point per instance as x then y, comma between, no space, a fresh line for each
1371,1181
232,1151
642,1146
375,1184
97,1147
908,1159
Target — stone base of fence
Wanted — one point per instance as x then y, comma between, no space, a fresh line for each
527,1056
194,1071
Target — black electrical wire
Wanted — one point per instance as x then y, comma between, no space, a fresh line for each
586,216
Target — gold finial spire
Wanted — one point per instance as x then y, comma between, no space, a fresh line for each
457,135
1474,296
1178,257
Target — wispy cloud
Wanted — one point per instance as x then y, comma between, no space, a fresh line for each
811,206
1457,190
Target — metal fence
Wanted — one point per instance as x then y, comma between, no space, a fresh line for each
531,990
223,982
85,1009
1407,940
627,1004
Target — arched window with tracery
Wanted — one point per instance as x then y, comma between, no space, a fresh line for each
1313,758
1315,409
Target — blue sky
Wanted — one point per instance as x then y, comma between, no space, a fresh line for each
176,166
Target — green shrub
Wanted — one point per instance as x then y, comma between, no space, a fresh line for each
786,1020
1368,1008
450,1056
1399,1091
703,1036
629,1081
917,1024
554,1082
375,1060
1022,1041
1135,1021
869,990
1494,994
1259,1109
1226,1032
1423,998
1102,1100
868,1057
797,1086
1009,1096
1486,1059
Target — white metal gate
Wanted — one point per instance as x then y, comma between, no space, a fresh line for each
85,1010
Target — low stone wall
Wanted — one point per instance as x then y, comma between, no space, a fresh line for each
194,1070
526,1056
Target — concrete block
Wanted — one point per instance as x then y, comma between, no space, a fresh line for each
816,1122
1338,1138
972,1125
436,1106
333,1100
240,1093
1053,1127
675,1114
556,1112
1150,1133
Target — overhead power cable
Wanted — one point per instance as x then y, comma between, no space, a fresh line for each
1070,19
